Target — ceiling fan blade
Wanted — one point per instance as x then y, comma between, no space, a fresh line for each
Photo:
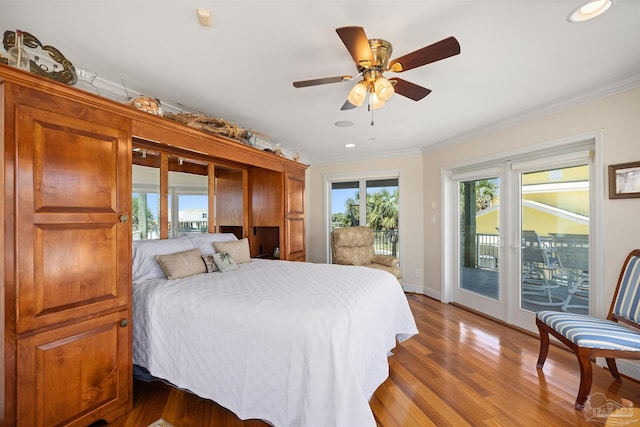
428,54
348,106
323,81
356,42
408,89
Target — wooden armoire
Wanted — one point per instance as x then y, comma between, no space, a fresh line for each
66,241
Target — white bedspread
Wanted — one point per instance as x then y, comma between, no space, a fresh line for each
294,344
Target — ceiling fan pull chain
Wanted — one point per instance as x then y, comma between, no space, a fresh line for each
370,105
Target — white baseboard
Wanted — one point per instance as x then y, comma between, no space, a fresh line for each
419,289
630,368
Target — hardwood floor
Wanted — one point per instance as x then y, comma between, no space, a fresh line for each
461,370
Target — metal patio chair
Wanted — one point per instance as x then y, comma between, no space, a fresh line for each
572,252
538,267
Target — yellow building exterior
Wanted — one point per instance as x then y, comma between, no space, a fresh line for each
554,201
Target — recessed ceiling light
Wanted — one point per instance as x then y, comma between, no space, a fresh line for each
349,145
344,123
590,10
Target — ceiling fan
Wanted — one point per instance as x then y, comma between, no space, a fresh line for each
372,61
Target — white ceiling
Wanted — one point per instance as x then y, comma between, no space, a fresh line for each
518,58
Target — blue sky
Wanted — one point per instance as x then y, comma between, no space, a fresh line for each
338,200
339,197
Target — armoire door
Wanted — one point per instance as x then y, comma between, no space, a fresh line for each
294,217
72,226
73,375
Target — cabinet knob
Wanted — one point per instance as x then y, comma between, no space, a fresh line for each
124,323
124,218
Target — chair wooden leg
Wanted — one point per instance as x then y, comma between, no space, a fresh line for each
586,377
544,344
613,368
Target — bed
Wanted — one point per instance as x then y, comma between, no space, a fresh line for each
290,343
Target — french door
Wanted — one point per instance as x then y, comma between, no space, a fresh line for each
522,236
478,244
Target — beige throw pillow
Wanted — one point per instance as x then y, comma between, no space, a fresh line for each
239,250
182,264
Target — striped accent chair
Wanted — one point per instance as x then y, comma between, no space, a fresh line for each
617,336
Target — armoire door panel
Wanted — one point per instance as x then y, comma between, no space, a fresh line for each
295,241
295,195
294,217
75,374
54,276
58,142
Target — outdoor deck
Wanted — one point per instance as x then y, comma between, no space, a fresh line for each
485,282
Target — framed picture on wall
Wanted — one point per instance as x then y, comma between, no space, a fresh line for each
624,180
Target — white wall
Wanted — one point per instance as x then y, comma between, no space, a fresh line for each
616,116
411,211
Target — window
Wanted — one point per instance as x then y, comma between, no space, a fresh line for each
379,210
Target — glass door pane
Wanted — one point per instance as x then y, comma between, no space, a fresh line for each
382,214
345,204
555,239
479,215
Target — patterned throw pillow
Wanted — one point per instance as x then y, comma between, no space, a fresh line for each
239,250
225,262
182,264
210,263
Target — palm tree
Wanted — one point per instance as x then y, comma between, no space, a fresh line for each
382,210
485,194
142,222
382,217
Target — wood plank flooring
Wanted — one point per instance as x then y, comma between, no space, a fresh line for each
461,370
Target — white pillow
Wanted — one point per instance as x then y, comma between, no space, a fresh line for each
239,250
144,265
203,241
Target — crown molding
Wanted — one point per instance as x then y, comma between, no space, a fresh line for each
600,91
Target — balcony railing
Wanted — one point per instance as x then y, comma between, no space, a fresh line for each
488,251
385,242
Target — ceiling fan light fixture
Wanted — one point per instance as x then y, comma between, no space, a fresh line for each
358,94
383,89
590,10
376,102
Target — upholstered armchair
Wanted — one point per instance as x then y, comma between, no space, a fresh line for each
354,246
